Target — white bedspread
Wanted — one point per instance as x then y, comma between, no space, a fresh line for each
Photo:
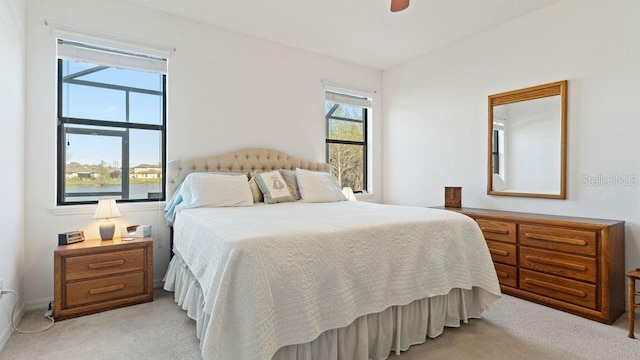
276,275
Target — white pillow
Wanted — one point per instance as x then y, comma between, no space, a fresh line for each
215,190
318,186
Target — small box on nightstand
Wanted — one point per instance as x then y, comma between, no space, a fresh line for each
136,231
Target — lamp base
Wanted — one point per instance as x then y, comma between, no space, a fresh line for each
107,229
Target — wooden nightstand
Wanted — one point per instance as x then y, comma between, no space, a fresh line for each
95,275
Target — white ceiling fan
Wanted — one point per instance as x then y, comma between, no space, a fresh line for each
399,5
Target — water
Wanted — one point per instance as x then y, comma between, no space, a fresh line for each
136,191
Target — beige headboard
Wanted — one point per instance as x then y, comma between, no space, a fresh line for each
245,160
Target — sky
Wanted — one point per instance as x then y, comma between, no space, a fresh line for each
110,104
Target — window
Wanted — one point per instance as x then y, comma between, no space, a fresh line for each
346,142
111,124
498,148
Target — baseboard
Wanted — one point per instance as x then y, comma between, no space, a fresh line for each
158,283
6,333
42,303
8,330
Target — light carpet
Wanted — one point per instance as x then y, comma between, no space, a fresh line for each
511,329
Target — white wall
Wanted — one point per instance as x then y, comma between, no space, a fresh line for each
435,111
225,91
12,123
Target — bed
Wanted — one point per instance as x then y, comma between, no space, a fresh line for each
327,280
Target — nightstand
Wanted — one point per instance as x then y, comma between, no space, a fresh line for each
95,275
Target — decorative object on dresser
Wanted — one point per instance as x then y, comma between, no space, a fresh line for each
96,275
633,276
452,196
106,210
569,263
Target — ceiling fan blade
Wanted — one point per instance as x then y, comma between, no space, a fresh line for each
399,5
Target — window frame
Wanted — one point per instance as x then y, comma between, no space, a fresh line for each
364,143
62,121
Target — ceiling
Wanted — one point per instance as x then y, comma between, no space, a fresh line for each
360,31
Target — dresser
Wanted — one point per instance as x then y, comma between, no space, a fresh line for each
94,275
568,263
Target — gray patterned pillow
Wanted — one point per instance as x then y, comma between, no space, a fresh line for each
273,187
289,177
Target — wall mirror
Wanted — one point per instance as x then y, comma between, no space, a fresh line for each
527,142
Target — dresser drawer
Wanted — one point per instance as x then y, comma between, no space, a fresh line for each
570,291
498,230
569,240
85,266
103,289
507,275
502,253
555,263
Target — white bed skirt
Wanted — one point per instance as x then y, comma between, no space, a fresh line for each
372,336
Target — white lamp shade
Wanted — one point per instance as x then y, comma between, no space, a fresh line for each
107,209
348,193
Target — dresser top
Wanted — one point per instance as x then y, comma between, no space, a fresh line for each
530,217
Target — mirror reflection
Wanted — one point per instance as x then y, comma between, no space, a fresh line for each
527,142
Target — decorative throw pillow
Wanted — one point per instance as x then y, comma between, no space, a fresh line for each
273,187
289,177
208,189
255,191
318,186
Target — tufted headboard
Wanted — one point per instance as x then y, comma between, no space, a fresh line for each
245,160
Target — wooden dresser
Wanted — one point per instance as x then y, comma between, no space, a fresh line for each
569,263
95,275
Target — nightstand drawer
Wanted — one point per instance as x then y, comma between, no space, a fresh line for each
569,240
571,291
114,287
507,275
85,266
502,253
498,230
561,264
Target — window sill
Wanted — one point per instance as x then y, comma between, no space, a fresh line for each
68,210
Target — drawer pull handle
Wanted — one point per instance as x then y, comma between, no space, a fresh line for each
558,263
502,274
556,239
499,252
105,264
554,287
495,231
106,289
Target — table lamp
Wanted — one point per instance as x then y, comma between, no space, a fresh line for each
106,210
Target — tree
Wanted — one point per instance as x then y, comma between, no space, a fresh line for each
103,173
346,160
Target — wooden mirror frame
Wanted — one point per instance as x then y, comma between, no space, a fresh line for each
531,93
